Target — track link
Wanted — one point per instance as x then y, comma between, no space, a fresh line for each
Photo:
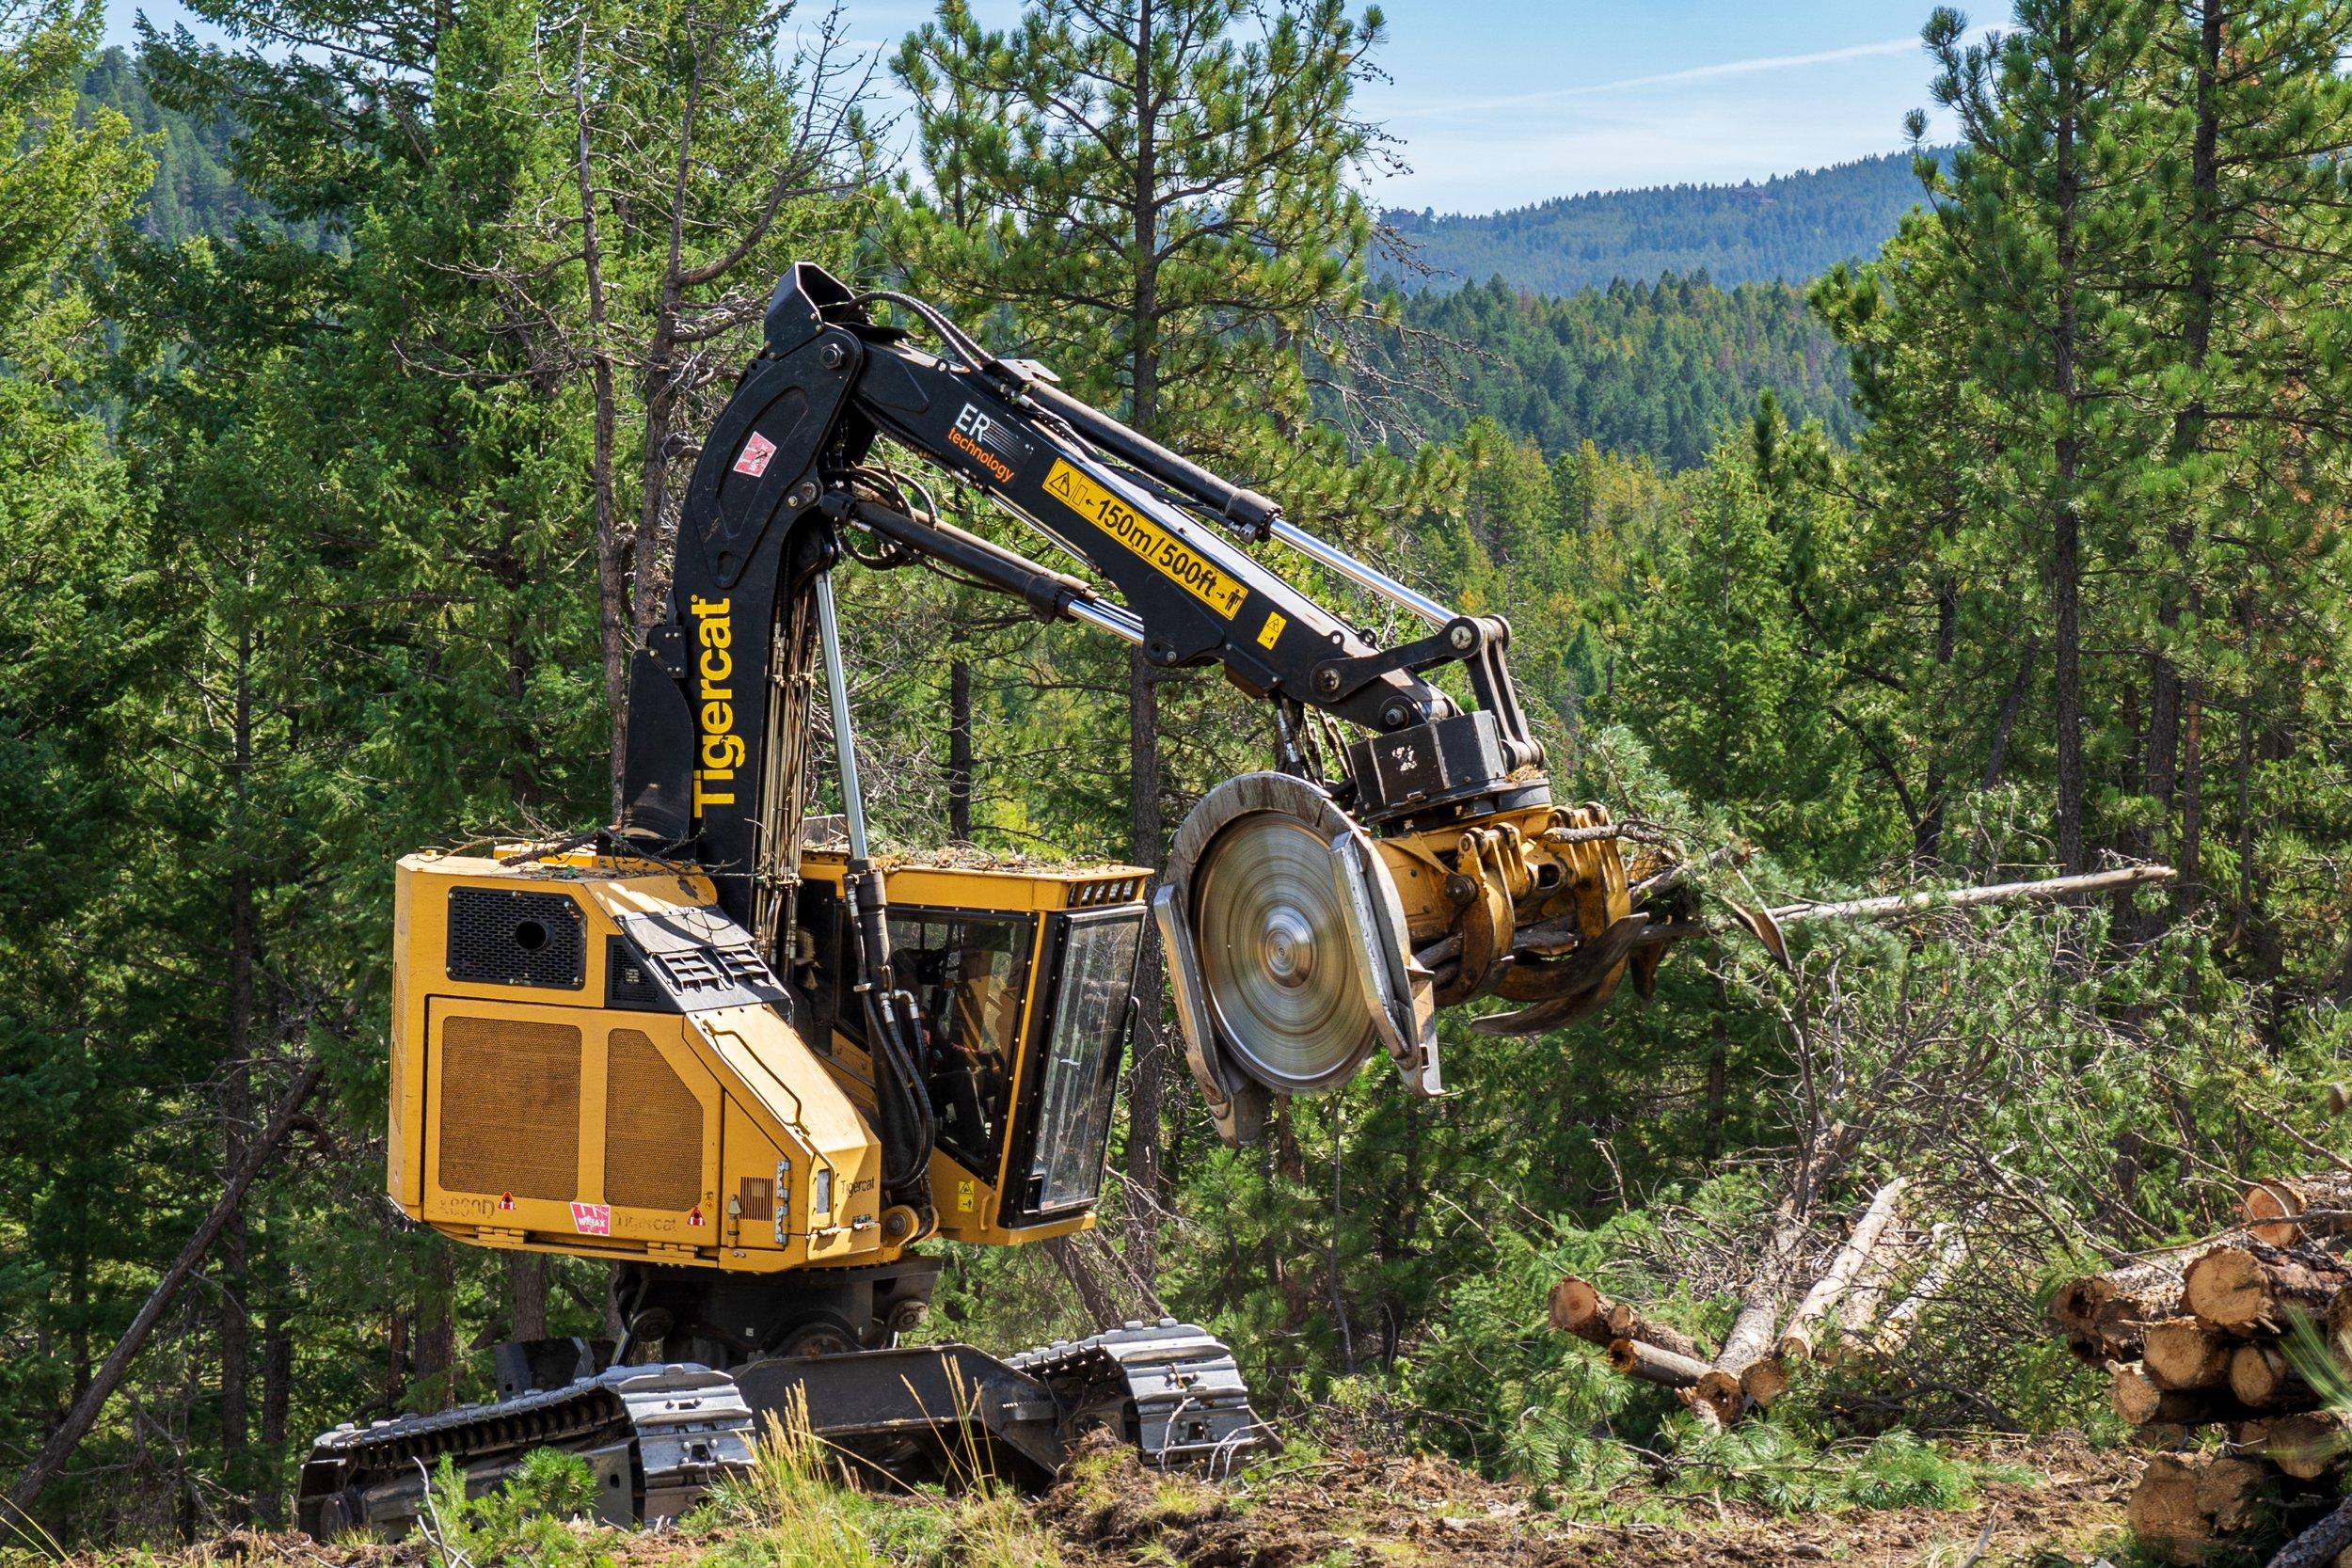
655,1439
1189,1405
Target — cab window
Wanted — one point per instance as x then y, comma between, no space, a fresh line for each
970,976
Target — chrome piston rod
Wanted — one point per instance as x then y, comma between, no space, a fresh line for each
1363,573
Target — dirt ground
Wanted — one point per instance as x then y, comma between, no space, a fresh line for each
1375,1510
1419,1512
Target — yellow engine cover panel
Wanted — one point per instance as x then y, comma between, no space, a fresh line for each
526,1113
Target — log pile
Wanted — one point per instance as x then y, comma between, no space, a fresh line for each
1852,1306
2200,1338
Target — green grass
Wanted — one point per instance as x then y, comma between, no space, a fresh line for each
798,1509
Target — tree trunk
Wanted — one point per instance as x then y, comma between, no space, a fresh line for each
616,622
2184,1353
2309,1445
437,1326
2323,1546
2262,1378
1813,1315
2286,1210
47,1463
237,1112
2184,1500
276,1395
960,751
2066,546
1633,1358
1625,1323
2257,1287
2107,1315
526,1295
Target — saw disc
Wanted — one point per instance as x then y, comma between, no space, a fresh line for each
1274,952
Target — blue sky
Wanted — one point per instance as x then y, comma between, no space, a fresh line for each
1502,103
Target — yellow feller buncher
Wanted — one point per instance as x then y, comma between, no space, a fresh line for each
721,1046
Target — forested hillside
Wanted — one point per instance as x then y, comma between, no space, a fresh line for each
1661,368
333,537
1787,229
193,191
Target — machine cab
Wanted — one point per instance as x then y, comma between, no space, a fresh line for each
1022,975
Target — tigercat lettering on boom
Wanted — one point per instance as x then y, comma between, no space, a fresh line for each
721,751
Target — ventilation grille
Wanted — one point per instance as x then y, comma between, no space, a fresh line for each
510,1107
695,969
517,938
653,1130
629,981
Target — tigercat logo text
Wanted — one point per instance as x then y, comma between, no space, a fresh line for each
722,750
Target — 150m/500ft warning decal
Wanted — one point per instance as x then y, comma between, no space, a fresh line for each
1161,549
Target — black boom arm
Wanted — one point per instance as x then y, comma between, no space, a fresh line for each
718,700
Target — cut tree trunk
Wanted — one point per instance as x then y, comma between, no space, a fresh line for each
2287,1209
2324,1546
2337,1328
1633,1358
2185,1352
1578,1307
2106,1316
2309,1445
1858,1312
2262,1378
1764,1380
2139,1401
2254,1287
1625,1323
2184,1502
1718,1397
1815,1312
1948,1246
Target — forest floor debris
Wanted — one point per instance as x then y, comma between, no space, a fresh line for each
1357,1509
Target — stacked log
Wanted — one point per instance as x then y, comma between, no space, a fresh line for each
1838,1311
2203,1337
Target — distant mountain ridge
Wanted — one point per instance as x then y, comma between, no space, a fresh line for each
1787,229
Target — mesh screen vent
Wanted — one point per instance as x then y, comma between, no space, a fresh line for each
510,1107
653,1129
517,938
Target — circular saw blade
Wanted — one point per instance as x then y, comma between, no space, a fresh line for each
1276,967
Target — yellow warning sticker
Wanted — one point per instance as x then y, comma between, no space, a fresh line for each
1271,632
964,1197
1163,551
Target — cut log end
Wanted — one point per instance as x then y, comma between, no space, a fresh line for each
1633,1358
2184,1352
1720,1394
2262,1378
1764,1381
1577,1307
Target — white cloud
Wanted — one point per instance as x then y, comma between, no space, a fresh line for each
1667,78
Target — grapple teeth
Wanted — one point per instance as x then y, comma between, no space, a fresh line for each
1546,1015
1564,990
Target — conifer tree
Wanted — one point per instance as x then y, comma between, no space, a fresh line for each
1156,193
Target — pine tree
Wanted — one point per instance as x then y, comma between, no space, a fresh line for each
1157,195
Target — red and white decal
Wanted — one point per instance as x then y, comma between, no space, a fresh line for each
506,1203
694,1216
753,459
593,1219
